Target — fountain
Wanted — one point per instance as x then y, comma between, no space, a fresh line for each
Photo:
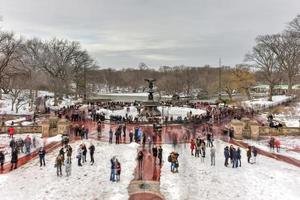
149,109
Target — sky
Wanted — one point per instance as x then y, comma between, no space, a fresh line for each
124,33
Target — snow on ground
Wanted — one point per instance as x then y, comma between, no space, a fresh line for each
268,179
5,140
87,182
287,144
5,107
65,102
291,117
180,111
8,123
166,111
262,103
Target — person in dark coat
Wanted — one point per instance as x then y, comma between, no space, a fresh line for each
254,151
140,161
154,153
113,167
92,151
14,159
124,133
231,153
62,153
84,152
131,136
226,155
42,154
249,154
2,160
234,158
110,136
160,153
13,144
239,157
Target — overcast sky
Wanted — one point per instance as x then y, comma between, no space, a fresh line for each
123,33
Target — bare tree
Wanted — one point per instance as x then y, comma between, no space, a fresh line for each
266,62
287,49
9,56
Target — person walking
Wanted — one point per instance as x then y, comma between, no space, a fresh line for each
202,152
249,155
234,158
272,144
62,153
68,167
110,136
140,161
58,164
160,154
277,145
14,159
118,170
79,155
212,156
154,153
192,146
42,154
2,160
92,151
27,142
254,151
69,153
84,152
124,133
11,131
112,167
239,157
131,136
226,155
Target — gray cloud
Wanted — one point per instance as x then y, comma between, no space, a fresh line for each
123,33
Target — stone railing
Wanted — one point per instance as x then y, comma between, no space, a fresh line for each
265,130
22,129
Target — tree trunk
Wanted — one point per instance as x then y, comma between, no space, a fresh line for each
55,99
13,104
290,82
271,88
0,93
247,93
31,99
230,95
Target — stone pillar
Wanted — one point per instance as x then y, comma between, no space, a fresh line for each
45,129
238,127
254,127
63,126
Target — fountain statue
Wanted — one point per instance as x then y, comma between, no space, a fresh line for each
149,109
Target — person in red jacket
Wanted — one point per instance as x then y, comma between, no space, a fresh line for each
11,131
192,146
277,145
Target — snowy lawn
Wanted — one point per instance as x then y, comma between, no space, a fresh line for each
287,143
268,179
262,103
170,111
87,182
5,140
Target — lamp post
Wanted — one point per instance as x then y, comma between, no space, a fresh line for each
220,69
84,82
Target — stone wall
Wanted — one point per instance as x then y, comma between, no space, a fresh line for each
22,129
265,130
